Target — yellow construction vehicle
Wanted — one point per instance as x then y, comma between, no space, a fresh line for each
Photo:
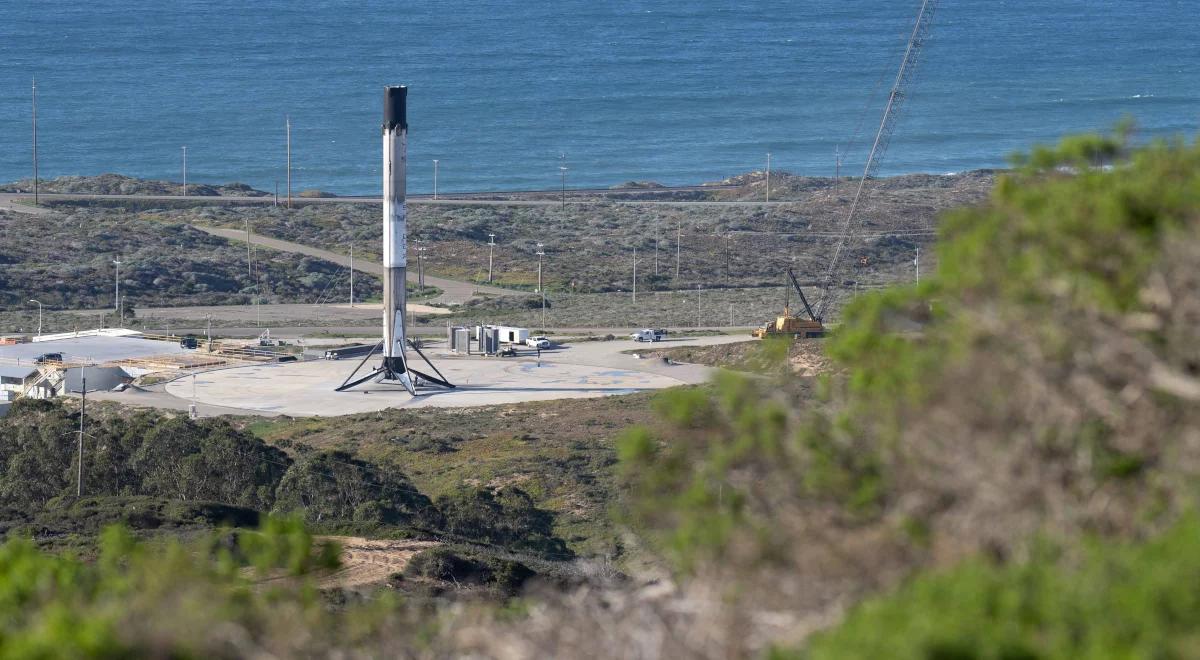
796,326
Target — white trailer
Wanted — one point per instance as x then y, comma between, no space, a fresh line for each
511,335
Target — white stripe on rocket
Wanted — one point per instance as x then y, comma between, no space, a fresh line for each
395,214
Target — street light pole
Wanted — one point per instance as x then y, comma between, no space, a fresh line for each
435,177
185,170
491,248
117,287
82,411
541,253
697,305
35,153
39,316
288,128
563,171
351,275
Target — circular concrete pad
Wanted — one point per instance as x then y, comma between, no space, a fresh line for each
307,388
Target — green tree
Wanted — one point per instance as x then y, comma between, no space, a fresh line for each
329,486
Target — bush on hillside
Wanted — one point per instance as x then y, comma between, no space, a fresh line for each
335,486
505,517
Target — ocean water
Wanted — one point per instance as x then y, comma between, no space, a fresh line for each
504,92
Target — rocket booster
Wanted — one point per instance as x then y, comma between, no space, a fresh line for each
395,226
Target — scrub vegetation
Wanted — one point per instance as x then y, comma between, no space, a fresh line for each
66,262
998,462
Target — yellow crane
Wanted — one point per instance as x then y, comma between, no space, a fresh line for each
797,326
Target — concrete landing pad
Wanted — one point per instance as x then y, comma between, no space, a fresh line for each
306,388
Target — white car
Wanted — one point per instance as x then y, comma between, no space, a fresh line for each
648,335
537,342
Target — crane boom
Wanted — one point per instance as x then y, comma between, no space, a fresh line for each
883,136
804,299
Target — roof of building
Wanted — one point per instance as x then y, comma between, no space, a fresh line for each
13,371
102,348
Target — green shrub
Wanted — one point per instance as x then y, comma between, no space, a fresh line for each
1113,600
505,517
466,568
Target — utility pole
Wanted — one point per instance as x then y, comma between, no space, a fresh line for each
276,193
435,175
185,170
82,411
208,330
678,239
420,267
768,177
728,257
351,275
697,305
288,127
837,169
35,154
635,276
657,237
491,248
541,253
917,263
249,259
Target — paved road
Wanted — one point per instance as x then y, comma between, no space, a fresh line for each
10,202
453,291
7,200
371,328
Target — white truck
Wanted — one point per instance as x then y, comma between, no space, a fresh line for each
537,342
649,334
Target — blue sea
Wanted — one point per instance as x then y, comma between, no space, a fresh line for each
503,93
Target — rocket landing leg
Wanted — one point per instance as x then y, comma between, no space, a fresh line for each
395,370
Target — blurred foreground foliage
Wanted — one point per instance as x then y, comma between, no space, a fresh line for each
1002,463
1112,600
170,599
1043,382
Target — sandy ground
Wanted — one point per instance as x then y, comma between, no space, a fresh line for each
365,562
586,369
370,561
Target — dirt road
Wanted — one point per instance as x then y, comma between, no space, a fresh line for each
453,291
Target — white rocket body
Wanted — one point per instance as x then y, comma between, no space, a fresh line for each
395,233
395,367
